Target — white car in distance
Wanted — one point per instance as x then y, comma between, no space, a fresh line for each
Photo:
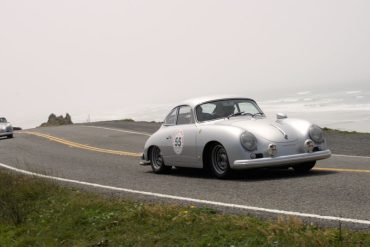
6,129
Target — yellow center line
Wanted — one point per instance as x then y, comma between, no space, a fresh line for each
341,169
82,146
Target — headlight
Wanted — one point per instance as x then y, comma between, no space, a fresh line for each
316,134
248,141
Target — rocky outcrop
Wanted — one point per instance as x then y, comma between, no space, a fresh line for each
56,121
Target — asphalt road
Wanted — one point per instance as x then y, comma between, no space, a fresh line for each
340,187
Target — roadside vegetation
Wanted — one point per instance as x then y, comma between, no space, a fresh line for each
128,120
35,212
132,120
329,130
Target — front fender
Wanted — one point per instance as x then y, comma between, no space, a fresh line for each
153,140
228,136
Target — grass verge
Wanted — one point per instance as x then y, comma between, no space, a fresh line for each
35,212
336,131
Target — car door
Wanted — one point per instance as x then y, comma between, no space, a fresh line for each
165,138
184,139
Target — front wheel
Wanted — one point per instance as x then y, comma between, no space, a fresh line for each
156,161
220,166
304,167
10,136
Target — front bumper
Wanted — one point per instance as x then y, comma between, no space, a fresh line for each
143,161
281,160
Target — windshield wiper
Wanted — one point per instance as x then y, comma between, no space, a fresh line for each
244,113
235,114
257,114
253,115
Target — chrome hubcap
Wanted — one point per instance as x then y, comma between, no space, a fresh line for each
157,159
220,160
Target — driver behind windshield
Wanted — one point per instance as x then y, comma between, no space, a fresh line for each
223,111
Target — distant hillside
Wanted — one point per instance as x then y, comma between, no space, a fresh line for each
56,121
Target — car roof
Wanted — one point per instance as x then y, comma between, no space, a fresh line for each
196,101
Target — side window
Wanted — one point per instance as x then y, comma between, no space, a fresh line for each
205,112
171,118
207,108
185,115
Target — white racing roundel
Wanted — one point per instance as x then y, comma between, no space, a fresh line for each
178,142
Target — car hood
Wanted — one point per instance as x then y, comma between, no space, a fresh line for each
4,125
272,130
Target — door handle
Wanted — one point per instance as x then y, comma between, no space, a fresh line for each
168,137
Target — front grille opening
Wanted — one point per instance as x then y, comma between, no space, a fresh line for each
315,149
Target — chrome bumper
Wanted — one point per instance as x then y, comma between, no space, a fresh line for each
6,133
143,161
281,160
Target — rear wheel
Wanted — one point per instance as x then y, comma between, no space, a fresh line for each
304,167
156,161
219,166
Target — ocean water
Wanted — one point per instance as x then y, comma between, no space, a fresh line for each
345,110
343,120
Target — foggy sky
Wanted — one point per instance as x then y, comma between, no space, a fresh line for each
94,56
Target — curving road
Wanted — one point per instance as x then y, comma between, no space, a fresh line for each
106,158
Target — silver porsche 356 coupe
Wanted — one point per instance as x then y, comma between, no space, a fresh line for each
6,128
225,134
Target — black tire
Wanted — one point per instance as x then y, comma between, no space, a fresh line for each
156,161
10,136
219,161
304,167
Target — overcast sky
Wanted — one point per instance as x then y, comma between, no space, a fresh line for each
92,56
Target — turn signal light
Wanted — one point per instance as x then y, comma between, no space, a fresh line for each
272,150
309,145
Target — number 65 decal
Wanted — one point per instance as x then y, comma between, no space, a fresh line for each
178,142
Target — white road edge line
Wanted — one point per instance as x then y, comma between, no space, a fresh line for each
118,130
187,199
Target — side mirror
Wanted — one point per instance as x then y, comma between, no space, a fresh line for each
281,115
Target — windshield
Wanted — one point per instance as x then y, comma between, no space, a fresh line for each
226,108
3,120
